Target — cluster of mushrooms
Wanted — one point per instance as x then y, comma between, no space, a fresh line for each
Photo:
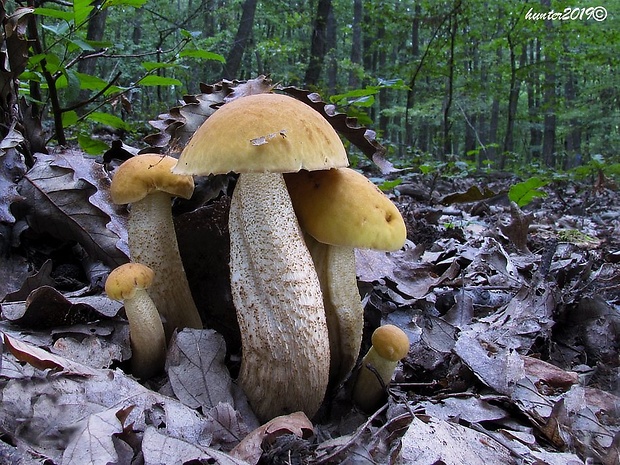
296,215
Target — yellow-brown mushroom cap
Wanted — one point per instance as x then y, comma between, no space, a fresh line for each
263,133
343,207
390,342
123,281
143,174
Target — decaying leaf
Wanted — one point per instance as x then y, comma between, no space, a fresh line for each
67,197
250,450
45,307
429,441
195,366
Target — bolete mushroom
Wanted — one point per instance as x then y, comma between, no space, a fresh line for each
390,344
147,183
276,291
128,283
342,210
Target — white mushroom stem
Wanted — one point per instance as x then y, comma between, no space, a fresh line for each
335,267
276,291
148,341
152,241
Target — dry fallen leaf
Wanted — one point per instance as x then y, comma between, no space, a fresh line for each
196,369
250,450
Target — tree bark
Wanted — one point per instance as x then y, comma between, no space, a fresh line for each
318,47
244,32
356,44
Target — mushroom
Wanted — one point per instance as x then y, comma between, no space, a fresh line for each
147,183
390,344
340,210
128,283
275,288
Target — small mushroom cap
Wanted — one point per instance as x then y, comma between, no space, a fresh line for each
263,133
343,207
123,281
390,342
143,174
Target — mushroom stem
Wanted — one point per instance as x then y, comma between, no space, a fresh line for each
152,241
276,291
335,267
389,345
128,283
146,332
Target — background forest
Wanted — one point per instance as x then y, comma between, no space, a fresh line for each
496,85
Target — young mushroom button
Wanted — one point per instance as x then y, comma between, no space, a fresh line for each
340,210
128,283
390,344
147,183
276,291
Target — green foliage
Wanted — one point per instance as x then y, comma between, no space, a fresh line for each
524,192
78,100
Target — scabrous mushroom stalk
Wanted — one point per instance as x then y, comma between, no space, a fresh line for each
340,210
390,344
335,267
283,330
276,292
147,183
148,341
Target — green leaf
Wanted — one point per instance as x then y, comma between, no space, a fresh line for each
130,3
109,120
92,146
90,82
81,10
69,118
159,81
54,13
389,185
151,65
524,192
59,29
203,55
82,44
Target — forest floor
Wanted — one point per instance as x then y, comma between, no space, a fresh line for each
512,314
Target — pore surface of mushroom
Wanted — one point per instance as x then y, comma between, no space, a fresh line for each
276,292
147,183
390,344
340,209
128,283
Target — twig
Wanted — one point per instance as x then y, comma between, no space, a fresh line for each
353,438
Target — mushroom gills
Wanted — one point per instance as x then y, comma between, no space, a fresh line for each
276,291
335,266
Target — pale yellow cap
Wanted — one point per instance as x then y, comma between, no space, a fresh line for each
263,133
144,174
123,281
390,342
343,207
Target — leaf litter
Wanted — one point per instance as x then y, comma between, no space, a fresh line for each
512,314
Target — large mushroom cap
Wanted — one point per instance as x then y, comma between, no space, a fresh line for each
263,133
343,207
123,281
143,174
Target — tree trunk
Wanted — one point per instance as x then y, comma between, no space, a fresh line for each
549,98
513,101
318,47
332,37
356,44
446,125
95,30
244,32
533,101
